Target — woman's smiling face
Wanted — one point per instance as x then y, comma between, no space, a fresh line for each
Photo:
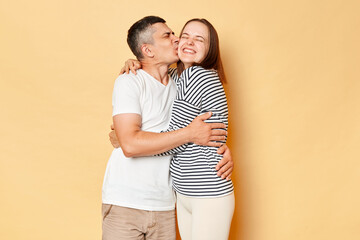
194,43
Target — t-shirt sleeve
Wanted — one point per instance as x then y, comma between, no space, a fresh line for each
197,83
126,95
175,150
200,91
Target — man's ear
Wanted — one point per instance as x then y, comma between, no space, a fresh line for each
147,51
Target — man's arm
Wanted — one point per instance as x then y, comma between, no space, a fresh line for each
135,143
225,167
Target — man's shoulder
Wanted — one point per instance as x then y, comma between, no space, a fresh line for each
129,76
130,79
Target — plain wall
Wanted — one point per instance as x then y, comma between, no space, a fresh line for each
293,91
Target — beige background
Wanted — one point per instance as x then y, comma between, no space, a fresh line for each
294,95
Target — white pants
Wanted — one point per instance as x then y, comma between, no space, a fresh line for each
204,218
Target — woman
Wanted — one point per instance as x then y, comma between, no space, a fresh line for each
205,202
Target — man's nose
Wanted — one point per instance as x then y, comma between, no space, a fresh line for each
176,39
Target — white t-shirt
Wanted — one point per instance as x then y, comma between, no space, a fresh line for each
143,182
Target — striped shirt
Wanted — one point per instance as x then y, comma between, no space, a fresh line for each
193,166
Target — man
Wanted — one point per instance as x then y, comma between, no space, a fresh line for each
138,201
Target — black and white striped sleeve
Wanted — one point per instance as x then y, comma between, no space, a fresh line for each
204,90
199,91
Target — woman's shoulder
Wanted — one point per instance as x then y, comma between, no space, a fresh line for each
200,76
172,71
199,71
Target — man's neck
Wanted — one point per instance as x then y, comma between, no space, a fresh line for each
158,71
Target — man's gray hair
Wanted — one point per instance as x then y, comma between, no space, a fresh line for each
141,33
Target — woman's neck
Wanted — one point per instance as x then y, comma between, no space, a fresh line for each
187,65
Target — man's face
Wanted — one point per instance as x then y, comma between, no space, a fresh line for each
165,44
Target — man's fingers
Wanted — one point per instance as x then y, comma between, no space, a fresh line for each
217,138
205,116
218,132
217,125
213,144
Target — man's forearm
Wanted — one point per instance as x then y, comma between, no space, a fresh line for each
135,142
143,143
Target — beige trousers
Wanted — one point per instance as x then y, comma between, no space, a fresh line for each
204,218
121,223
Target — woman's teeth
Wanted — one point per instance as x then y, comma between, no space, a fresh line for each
188,50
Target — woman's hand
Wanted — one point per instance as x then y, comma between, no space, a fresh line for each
112,137
130,65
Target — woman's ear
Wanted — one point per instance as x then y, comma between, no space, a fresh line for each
146,51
